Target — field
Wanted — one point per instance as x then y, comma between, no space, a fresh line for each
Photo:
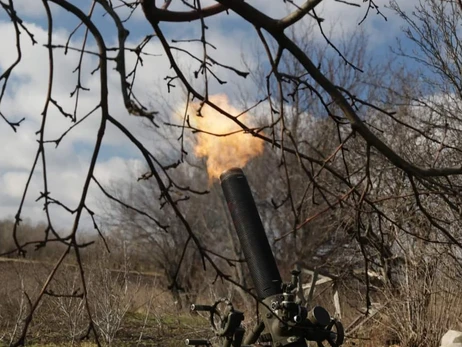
129,308
135,330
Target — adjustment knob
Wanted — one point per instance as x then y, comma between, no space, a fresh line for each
319,316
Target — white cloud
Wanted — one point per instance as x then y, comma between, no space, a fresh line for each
30,8
68,164
118,168
13,182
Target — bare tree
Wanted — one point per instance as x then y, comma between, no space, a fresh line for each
390,159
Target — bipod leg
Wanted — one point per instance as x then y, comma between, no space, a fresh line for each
255,334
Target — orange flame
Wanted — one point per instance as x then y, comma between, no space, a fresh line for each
222,151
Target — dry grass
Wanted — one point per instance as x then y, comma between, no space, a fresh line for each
128,309
132,309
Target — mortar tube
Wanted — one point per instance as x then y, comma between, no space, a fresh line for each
254,242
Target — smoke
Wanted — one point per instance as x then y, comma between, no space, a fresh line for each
221,141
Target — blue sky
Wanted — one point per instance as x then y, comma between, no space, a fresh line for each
118,159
